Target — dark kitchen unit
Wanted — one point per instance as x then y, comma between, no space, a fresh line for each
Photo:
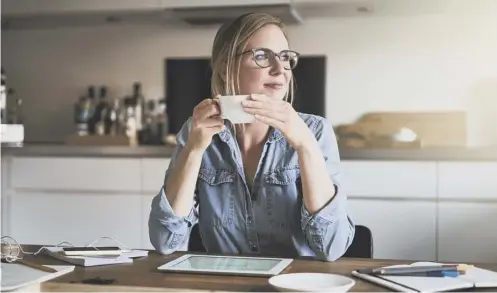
188,81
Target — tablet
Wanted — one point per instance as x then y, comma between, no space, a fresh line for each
227,265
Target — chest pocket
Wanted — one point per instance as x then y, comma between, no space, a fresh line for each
216,190
283,198
285,176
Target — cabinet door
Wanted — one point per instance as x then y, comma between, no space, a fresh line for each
153,172
146,207
401,229
48,218
5,194
212,3
467,232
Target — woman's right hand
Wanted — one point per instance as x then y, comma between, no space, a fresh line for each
206,122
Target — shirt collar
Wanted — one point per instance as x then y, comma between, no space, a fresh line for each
227,133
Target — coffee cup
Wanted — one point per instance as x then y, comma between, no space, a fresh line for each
232,109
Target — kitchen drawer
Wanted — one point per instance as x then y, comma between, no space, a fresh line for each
470,180
390,179
153,172
76,174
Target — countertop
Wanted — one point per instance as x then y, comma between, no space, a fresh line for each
425,154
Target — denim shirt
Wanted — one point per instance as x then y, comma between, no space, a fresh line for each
269,220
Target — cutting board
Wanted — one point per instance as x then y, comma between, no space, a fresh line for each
433,129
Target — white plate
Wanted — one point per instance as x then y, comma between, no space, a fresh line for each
307,282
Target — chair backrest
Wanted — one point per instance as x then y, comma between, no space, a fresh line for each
195,241
362,244
361,247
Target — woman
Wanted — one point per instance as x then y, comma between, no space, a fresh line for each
271,187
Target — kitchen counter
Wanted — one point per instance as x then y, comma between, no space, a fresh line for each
427,154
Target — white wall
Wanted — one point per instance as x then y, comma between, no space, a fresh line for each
407,63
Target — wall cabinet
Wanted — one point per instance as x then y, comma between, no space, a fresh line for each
36,7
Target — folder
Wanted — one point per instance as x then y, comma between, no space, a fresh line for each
473,278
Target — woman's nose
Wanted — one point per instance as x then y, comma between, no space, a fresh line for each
277,67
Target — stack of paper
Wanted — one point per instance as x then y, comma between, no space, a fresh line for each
88,261
17,276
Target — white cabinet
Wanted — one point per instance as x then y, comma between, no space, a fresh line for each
467,232
212,3
59,173
468,180
390,179
467,225
401,229
145,212
37,7
415,210
5,194
50,218
153,173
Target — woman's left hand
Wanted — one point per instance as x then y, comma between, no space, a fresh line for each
280,115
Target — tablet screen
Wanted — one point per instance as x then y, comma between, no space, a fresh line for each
226,263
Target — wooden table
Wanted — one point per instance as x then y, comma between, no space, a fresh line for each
142,275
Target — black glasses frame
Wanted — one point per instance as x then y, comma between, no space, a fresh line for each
273,56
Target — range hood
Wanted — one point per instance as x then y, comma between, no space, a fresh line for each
212,14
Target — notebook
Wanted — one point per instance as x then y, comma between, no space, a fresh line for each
17,276
89,261
473,278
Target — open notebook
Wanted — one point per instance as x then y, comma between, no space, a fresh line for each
17,276
473,278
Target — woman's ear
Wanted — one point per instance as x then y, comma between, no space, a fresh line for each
224,71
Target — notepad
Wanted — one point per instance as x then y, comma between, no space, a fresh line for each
89,261
16,276
474,278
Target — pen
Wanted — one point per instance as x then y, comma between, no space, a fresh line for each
449,273
414,269
36,266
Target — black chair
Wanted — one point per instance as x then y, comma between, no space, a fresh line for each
361,247
195,242
362,244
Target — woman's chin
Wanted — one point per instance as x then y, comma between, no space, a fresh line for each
279,95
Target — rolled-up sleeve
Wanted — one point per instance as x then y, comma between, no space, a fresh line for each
330,231
169,232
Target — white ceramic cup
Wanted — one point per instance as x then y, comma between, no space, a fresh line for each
232,109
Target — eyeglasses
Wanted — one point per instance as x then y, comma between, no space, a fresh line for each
264,57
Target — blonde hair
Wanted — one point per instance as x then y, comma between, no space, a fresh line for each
232,39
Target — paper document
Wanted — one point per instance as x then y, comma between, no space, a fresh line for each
16,276
88,261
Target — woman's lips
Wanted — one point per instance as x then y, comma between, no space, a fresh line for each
274,86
